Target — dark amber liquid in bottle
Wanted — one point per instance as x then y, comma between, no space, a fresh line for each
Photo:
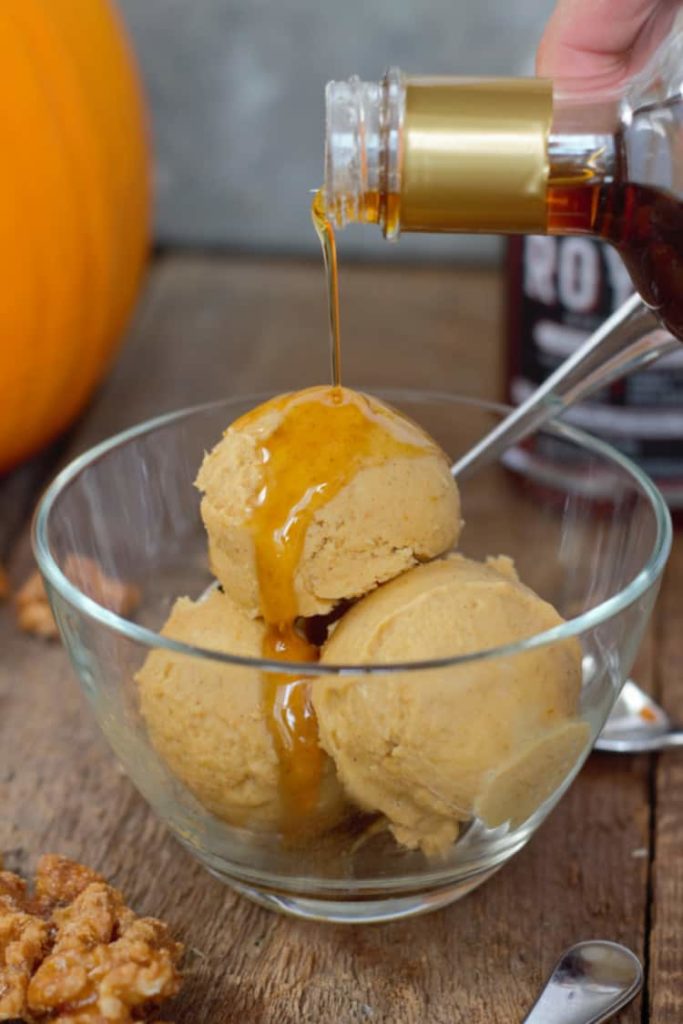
643,223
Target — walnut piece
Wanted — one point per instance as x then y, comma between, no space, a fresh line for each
33,610
34,614
72,952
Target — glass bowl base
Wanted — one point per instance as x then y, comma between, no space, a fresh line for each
371,910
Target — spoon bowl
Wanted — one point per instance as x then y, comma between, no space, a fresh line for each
590,983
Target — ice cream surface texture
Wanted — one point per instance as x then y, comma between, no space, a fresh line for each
319,496
207,721
433,748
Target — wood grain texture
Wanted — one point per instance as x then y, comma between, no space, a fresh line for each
666,940
212,326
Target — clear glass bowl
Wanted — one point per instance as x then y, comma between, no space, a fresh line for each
592,538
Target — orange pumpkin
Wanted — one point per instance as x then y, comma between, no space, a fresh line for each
74,210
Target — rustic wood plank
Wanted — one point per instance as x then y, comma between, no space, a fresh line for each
209,327
666,941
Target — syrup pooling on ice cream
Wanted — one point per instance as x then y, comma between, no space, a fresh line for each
207,719
293,727
369,521
321,439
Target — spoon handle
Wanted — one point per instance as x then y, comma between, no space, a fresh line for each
639,744
590,983
672,739
629,339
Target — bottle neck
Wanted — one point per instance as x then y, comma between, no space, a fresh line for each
585,154
465,155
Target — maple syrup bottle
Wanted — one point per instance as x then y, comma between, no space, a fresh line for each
590,190
558,291
519,156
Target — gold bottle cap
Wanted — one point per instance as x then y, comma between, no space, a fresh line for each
475,155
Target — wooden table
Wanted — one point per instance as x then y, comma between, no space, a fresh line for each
609,861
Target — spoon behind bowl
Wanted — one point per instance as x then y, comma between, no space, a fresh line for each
590,982
638,725
630,339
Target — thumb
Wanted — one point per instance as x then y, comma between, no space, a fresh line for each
602,42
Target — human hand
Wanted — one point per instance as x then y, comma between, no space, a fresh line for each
599,44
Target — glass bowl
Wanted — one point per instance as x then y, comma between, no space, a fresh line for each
587,531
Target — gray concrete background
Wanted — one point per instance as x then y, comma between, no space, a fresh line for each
236,93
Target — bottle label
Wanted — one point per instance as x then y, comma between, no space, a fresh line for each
560,290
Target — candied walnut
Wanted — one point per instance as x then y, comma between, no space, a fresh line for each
23,942
5,588
33,609
32,590
37,619
12,890
60,881
116,595
74,953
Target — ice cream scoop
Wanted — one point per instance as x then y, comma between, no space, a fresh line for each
208,721
433,748
320,495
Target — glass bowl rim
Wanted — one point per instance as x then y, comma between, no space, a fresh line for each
149,638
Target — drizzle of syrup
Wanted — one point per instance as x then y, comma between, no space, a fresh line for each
320,439
293,727
325,232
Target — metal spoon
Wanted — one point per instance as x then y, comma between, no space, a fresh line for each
590,983
628,340
638,725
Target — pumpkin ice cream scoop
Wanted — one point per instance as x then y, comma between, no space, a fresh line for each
431,749
319,496
206,719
